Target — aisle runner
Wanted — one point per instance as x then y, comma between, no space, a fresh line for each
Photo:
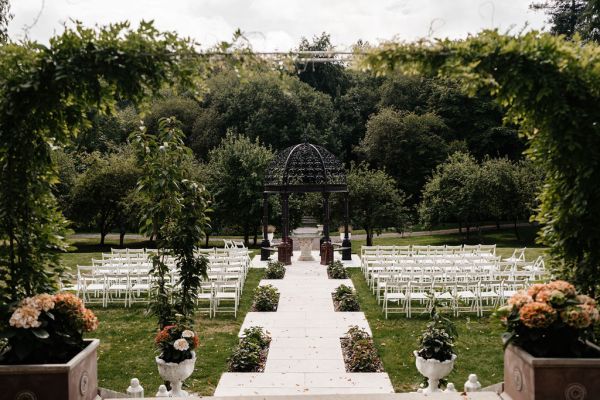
305,356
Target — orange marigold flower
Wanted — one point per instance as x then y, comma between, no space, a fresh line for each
90,321
196,341
163,335
519,299
563,286
537,315
587,300
535,289
593,312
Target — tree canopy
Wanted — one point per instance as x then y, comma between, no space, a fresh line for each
550,87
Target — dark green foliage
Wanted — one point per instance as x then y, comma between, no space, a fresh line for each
360,354
550,87
336,270
276,109
266,298
174,210
43,104
342,291
251,353
235,174
274,270
345,299
569,17
375,201
100,197
5,17
330,78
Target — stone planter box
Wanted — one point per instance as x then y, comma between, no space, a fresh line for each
528,378
74,380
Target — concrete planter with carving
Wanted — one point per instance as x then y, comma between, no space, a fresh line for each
74,380
433,370
528,378
176,373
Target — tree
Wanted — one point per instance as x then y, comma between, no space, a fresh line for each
236,170
407,145
186,111
108,131
375,201
101,194
5,17
326,77
43,104
570,17
353,109
276,109
175,211
550,87
454,193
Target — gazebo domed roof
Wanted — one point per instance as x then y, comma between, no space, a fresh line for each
305,167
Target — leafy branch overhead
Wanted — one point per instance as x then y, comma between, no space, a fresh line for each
550,87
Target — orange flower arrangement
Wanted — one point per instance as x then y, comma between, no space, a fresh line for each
550,319
176,343
48,328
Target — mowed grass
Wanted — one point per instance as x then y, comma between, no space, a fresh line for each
479,346
127,345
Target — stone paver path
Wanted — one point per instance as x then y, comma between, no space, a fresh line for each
305,356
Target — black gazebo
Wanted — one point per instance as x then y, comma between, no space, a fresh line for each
305,168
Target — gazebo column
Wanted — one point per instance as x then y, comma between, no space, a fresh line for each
265,252
346,243
326,246
284,253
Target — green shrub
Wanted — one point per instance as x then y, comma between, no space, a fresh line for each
360,354
341,291
266,298
275,270
349,303
245,358
336,270
345,299
251,353
256,334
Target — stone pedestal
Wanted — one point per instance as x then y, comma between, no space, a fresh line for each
326,253
305,249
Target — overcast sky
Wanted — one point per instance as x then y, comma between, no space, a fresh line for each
279,24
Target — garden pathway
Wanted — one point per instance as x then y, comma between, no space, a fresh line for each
305,356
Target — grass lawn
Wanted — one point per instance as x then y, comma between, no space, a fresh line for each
479,347
127,345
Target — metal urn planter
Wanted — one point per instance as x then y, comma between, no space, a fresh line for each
74,380
527,377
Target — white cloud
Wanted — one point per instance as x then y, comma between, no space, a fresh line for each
279,24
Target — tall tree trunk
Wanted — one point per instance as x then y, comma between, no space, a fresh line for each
102,236
479,233
207,240
460,228
255,236
369,237
246,235
122,238
517,231
468,230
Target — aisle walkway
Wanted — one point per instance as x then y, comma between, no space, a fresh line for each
305,356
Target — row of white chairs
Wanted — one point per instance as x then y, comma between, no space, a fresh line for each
429,249
474,295
122,277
